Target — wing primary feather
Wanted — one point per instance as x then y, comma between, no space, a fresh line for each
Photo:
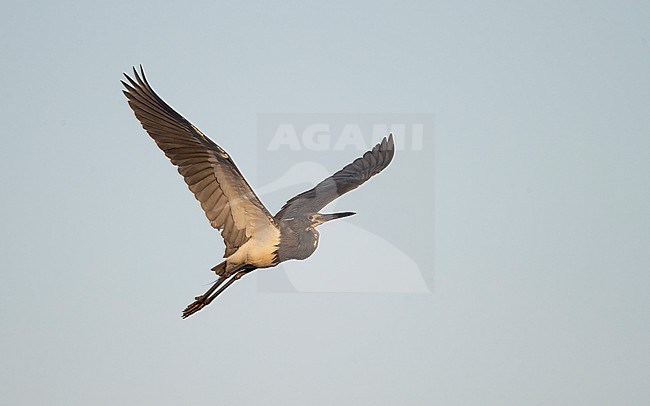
216,182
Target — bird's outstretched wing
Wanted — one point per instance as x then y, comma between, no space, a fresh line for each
227,199
349,178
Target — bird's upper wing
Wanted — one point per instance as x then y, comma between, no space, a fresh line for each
343,181
227,199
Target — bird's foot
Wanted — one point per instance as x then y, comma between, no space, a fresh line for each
192,308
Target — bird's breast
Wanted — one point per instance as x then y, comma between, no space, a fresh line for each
297,244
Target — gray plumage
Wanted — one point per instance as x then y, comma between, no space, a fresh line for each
252,236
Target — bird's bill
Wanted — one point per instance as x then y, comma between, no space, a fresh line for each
323,218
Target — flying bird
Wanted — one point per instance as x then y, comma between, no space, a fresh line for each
253,237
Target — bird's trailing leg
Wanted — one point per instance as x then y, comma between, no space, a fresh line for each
237,276
209,296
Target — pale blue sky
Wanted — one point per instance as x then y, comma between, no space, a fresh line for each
538,257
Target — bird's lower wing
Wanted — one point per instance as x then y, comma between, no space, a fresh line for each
349,178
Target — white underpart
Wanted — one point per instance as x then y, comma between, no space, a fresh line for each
258,251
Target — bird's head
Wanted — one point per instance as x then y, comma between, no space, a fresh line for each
318,218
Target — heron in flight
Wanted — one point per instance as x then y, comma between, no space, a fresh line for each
253,237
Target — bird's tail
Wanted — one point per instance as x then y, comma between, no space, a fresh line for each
220,269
